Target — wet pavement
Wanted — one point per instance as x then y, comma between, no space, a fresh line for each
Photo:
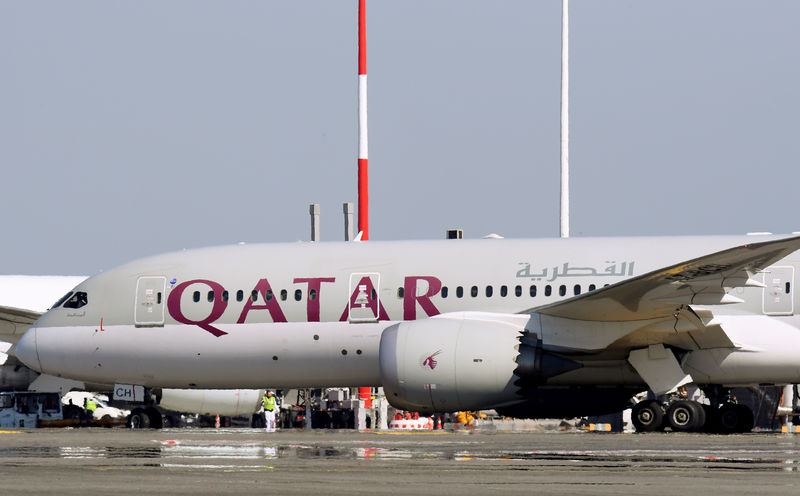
242,461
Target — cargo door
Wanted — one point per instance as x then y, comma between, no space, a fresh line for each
149,310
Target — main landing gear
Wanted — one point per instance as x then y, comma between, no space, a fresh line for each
143,418
682,415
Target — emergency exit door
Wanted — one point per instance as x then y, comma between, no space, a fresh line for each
364,303
149,309
779,282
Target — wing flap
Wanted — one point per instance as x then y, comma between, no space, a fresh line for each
701,281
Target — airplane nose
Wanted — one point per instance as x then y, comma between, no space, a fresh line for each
25,350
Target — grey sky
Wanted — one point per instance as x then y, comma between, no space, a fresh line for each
134,128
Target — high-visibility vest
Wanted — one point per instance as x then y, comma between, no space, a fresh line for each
91,406
269,403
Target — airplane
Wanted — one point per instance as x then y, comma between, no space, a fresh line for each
24,298
536,328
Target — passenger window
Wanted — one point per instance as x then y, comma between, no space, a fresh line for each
269,294
298,294
459,292
254,295
788,287
474,291
444,291
533,291
224,296
312,295
489,291
239,295
400,293
518,290
62,300
548,290
77,300
577,289
158,298
284,294
562,290
592,287
210,296
196,296
504,291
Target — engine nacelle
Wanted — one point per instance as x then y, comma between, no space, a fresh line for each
447,364
466,361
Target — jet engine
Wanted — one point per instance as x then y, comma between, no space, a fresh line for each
463,362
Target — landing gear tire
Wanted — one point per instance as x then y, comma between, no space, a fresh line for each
686,416
647,416
712,419
171,421
257,421
138,419
735,418
155,417
72,412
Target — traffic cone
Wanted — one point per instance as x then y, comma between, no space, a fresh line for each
216,422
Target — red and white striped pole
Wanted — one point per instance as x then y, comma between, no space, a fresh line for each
363,182
364,393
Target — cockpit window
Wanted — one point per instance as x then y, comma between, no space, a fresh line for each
77,300
61,300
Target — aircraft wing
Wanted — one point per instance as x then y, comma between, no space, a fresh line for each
706,280
14,322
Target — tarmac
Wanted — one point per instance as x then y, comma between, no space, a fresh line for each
248,461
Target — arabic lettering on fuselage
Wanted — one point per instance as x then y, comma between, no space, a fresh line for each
624,269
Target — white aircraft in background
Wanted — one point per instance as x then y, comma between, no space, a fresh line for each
531,328
23,299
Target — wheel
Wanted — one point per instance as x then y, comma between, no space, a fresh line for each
735,418
257,421
138,419
647,416
748,421
685,416
72,412
155,417
712,419
171,421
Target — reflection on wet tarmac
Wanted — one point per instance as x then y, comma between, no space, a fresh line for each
250,456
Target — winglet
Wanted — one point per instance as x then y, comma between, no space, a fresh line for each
358,236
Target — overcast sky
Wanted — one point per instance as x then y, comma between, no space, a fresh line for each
134,128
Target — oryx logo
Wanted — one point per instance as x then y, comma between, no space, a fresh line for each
430,361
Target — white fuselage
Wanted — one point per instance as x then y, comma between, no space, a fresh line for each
188,319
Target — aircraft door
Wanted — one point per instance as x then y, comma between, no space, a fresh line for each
778,293
365,304
149,310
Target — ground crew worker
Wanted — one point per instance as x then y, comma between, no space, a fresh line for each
90,406
270,407
465,418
